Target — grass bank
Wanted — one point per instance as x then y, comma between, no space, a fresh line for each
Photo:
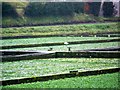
22,21
74,29
46,20
98,81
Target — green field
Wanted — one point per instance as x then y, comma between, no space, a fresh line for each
38,67
74,29
32,68
97,81
62,33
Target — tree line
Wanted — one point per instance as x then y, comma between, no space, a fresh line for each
38,9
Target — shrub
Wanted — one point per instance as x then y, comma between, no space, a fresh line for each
34,9
8,10
108,9
95,8
78,7
59,8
